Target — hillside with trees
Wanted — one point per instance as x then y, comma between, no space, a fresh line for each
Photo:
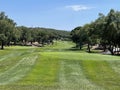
11,34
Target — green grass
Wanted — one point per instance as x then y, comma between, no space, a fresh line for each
44,73
57,67
101,74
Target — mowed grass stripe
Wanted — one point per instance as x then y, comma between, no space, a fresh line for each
9,60
115,66
12,57
8,63
101,73
45,72
73,78
17,71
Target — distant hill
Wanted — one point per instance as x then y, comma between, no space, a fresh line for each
58,33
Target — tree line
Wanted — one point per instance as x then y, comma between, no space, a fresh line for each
104,31
11,34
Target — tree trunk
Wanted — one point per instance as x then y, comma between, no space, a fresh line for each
80,45
89,48
2,45
8,44
104,48
14,43
31,42
111,49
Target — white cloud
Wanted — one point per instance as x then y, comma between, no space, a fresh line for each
78,7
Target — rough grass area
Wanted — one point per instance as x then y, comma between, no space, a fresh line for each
57,67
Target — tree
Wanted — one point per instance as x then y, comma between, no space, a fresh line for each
75,36
109,31
6,27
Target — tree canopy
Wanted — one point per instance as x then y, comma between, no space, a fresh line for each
7,27
105,31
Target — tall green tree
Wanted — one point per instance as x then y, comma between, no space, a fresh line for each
6,27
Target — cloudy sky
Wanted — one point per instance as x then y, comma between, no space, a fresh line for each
58,14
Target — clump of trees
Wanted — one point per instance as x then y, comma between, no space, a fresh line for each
105,31
11,34
41,35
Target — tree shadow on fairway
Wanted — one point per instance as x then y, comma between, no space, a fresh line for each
74,49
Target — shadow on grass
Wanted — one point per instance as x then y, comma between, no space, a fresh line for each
75,49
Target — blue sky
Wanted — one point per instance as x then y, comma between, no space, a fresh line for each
58,14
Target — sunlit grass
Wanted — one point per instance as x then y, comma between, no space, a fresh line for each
57,67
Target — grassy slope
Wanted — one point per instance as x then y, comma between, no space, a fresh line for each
57,67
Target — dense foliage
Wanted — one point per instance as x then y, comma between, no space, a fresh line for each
10,33
104,31
40,35
7,27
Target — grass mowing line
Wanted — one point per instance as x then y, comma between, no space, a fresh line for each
8,63
12,54
9,60
4,54
115,66
72,77
18,71
44,73
101,73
